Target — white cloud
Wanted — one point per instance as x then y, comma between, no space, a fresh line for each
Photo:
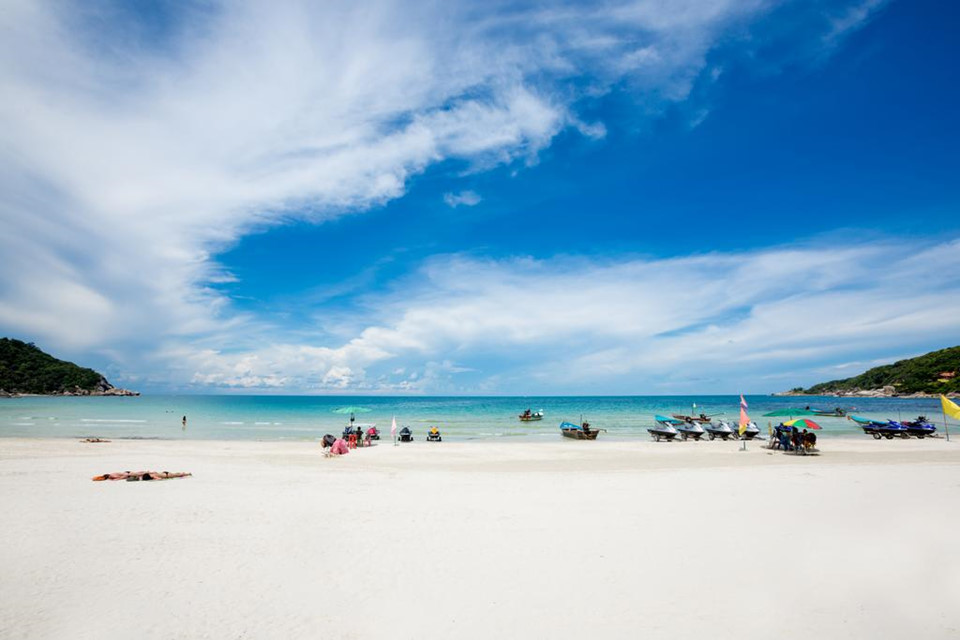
850,18
465,198
129,160
718,321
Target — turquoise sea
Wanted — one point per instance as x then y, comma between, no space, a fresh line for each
459,418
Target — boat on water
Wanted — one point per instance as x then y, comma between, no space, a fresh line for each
581,432
830,413
666,428
528,416
702,418
720,429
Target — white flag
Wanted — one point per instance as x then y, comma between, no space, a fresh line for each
393,427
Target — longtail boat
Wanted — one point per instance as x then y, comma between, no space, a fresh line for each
581,432
702,418
829,413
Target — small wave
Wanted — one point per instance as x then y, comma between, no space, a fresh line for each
263,423
231,423
109,420
21,424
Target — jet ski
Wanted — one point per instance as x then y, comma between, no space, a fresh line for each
920,427
751,432
691,430
433,435
877,429
666,429
720,429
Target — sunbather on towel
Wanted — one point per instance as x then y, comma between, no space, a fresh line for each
141,475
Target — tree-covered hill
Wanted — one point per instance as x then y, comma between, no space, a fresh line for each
24,368
935,372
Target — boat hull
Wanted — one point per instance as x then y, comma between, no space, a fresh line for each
579,434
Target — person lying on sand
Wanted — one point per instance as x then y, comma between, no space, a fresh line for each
133,476
94,440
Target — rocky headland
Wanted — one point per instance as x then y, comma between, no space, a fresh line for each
25,370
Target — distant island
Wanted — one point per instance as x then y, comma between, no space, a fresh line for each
26,370
932,374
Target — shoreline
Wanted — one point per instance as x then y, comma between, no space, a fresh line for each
544,439
494,456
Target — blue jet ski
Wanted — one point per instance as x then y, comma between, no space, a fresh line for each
921,427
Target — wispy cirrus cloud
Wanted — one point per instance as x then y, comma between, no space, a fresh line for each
129,158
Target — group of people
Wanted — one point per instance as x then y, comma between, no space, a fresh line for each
334,446
793,439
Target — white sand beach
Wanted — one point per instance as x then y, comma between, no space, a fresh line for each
477,540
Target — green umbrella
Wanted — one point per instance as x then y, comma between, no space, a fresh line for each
352,410
789,412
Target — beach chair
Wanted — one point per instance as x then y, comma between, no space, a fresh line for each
352,441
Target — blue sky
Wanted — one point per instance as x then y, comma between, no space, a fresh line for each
700,196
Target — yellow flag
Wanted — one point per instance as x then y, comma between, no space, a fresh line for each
950,408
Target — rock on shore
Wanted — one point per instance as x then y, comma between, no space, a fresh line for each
884,392
101,388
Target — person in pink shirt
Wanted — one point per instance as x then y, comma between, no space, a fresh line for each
338,446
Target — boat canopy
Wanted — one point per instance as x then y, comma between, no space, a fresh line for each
570,425
666,420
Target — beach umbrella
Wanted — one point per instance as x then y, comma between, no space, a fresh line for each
803,423
789,412
352,410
